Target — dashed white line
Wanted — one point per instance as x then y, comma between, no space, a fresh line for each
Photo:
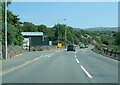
86,72
77,61
75,56
77,51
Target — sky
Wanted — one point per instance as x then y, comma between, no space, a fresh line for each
64,0
77,14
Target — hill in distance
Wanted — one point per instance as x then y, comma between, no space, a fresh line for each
102,29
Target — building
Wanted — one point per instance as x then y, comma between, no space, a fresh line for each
32,39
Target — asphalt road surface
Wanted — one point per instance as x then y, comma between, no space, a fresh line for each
61,66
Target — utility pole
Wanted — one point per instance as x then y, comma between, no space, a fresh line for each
65,34
58,31
5,23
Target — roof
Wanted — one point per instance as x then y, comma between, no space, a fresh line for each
32,33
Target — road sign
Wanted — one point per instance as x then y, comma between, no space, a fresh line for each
59,45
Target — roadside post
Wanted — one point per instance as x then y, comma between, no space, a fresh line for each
29,44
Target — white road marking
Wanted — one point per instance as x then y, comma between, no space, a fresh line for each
75,56
86,72
77,61
25,63
19,66
14,68
49,55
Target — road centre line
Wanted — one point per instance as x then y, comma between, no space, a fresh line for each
86,71
75,56
77,60
77,51
83,68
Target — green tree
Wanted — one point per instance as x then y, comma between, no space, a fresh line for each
11,34
117,38
13,26
50,34
29,27
1,22
12,19
41,28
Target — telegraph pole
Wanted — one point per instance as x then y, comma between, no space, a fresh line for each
58,31
5,23
65,34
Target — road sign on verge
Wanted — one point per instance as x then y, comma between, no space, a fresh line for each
59,45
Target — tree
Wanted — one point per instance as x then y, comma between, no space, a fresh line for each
50,34
13,27
117,38
1,22
41,28
12,19
11,34
29,27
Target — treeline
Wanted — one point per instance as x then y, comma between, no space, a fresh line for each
117,38
58,30
0,22
15,27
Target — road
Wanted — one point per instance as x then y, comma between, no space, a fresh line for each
61,66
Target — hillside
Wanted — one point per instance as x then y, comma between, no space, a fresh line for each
102,29
77,29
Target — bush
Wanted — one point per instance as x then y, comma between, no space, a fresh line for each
105,42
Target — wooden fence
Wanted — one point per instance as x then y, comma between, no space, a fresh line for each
107,52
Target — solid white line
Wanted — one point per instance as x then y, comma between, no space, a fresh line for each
77,61
86,72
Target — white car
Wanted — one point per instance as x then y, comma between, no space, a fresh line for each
82,46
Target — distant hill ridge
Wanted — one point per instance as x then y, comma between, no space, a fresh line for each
102,29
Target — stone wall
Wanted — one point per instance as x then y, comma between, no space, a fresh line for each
44,48
14,50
